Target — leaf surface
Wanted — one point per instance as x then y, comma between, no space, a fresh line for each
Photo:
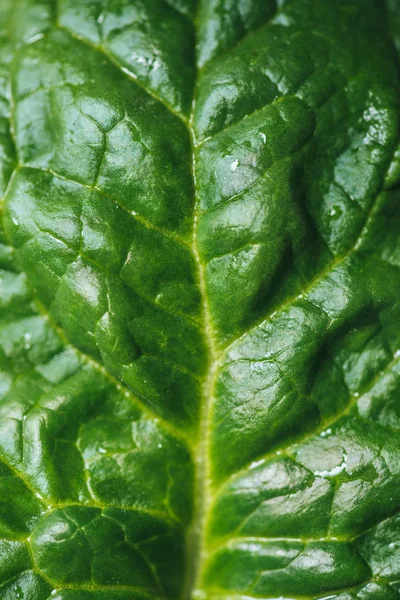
199,300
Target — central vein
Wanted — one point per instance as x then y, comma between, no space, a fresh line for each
196,534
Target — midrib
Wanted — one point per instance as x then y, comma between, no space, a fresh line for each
196,533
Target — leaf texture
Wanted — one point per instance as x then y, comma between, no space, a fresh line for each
199,300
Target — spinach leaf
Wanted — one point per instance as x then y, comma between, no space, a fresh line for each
199,300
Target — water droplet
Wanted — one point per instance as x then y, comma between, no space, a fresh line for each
325,433
263,136
159,445
336,212
102,451
15,221
235,165
100,19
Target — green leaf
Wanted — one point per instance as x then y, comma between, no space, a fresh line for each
199,300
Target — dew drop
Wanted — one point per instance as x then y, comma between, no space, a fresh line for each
235,165
325,433
336,212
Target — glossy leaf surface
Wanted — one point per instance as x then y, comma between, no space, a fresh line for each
199,300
